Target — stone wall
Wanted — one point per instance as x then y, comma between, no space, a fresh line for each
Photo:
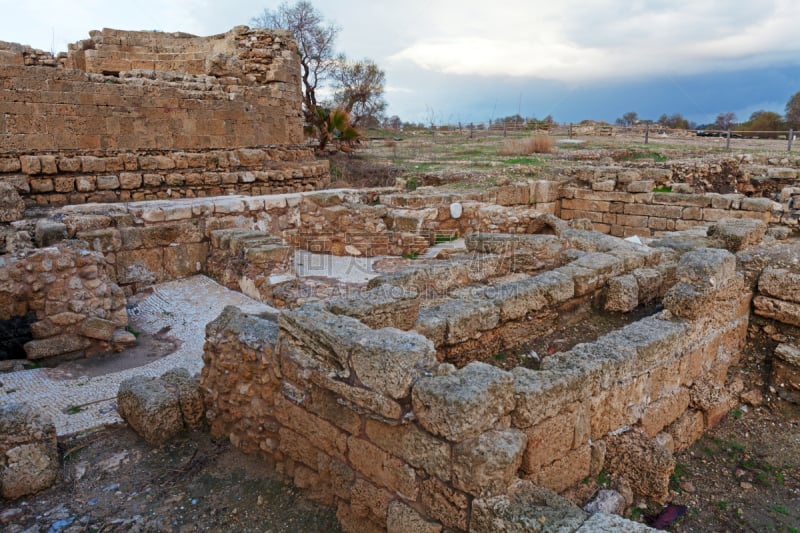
367,419
142,115
77,309
72,177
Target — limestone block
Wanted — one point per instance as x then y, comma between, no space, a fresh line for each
689,301
518,298
485,465
380,307
28,451
644,463
389,360
402,519
467,318
642,186
650,283
606,501
706,267
738,233
415,446
525,508
11,204
786,372
623,294
465,403
327,337
30,164
58,345
686,429
780,310
107,182
190,399
97,328
150,408
757,204
780,283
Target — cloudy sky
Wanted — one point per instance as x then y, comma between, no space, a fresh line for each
465,60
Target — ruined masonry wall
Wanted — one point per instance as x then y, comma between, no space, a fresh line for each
78,309
368,421
143,115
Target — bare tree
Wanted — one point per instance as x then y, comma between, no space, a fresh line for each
315,45
725,121
359,90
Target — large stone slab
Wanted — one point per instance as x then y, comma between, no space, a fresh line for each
465,403
389,360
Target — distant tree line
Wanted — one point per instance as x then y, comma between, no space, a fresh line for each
762,120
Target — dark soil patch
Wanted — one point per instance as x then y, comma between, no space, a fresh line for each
581,325
113,481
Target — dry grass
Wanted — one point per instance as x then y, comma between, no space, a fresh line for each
535,144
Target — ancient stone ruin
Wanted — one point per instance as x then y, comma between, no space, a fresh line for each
138,158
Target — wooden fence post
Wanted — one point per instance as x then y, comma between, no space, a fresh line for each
791,137
647,133
728,140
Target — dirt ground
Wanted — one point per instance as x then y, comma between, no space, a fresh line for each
113,481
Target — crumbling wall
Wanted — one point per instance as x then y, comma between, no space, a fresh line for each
78,309
142,115
367,420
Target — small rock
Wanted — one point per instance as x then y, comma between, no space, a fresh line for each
739,472
352,250
688,486
606,501
9,515
745,485
753,397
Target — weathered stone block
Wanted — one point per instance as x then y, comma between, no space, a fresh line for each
418,448
11,204
643,462
738,233
623,294
485,465
780,310
780,283
150,408
525,508
28,451
402,518
53,346
463,404
389,360
98,328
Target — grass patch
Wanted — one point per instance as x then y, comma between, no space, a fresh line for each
439,239
631,155
73,409
781,509
603,479
663,188
500,356
411,255
523,161
133,331
736,414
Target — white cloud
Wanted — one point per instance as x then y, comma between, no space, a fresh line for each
572,42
